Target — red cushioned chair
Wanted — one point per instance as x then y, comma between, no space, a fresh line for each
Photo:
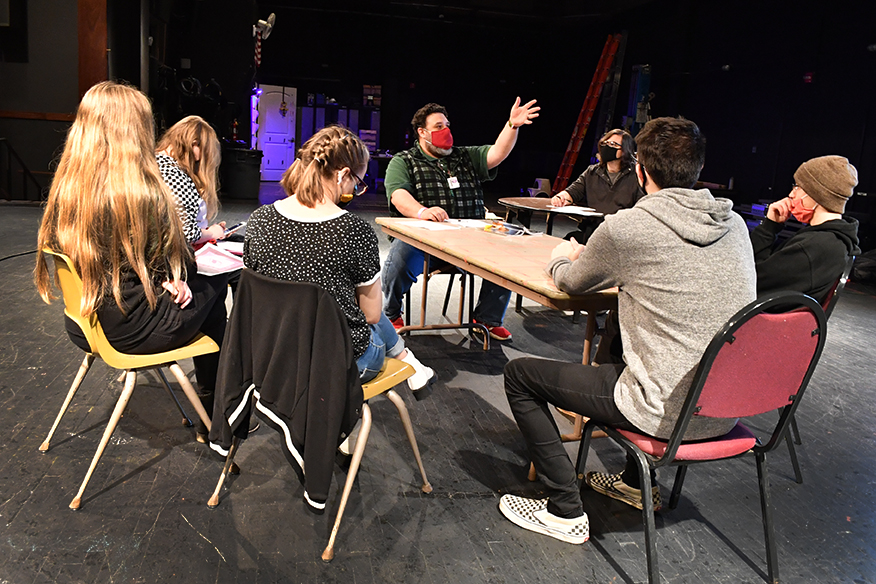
759,362
793,436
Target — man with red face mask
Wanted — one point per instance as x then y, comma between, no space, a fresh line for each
434,181
813,258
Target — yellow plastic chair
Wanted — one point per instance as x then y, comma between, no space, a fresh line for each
393,373
67,278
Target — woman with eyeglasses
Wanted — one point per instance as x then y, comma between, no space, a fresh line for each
607,187
308,237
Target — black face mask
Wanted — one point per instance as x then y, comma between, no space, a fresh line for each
607,153
644,182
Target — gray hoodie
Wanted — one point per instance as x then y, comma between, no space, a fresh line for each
684,265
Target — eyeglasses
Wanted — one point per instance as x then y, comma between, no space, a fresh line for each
359,183
635,158
610,143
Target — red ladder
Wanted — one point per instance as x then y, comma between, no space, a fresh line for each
590,103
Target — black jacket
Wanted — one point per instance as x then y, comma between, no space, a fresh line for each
810,261
288,346
594,189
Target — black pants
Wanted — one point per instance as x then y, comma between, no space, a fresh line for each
204,314
532,384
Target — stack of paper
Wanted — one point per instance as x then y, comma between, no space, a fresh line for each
213,260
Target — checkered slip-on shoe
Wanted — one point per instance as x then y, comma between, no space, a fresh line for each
613,485
532,514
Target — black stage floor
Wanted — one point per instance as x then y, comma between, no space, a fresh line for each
144,517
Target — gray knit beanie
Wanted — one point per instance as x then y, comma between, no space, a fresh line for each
829,180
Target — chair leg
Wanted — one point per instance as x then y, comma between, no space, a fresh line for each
795,430
80,375
447,294
187,422
329,553
792,451
130,382
583,450
648,518
229,461
518,303
409,429
766,507
676,487
190,393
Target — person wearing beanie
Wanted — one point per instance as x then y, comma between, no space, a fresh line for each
812,259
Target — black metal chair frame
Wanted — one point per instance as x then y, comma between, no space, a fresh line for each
793,436
647,462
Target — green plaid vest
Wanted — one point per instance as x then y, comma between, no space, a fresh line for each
431,188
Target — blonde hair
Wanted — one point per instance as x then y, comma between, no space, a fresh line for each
108,207
178,142
329,150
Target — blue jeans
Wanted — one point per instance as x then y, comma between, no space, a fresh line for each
383,335
403,266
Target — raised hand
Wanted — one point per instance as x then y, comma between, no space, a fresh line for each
523,114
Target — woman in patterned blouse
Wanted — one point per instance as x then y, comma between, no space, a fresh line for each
307,237
188,157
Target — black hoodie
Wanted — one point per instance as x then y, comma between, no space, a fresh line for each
810,261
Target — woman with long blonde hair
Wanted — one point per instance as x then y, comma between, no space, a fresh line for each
307,237
111,213
188,158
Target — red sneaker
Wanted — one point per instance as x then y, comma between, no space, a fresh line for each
499,333
398,322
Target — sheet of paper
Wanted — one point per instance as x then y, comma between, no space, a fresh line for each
576,210
235,247
475,223
212,261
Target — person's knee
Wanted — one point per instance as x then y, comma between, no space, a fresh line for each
516,374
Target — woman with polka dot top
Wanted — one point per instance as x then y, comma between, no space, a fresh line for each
307,237
188,158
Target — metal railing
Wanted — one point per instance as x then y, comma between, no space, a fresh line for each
17,182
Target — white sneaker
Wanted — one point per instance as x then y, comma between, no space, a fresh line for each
532,514
422,379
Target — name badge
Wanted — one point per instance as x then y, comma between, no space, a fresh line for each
453,182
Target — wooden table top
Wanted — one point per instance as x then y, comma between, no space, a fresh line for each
528,203
515,262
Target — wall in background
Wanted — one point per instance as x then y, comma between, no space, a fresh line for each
46,82
771,84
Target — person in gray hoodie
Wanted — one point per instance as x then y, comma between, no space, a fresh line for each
683,264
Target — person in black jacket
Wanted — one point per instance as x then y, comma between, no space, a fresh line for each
811,260
608,186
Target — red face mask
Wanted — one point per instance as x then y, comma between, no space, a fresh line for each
442,139
801,213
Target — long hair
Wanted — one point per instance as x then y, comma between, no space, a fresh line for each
108,207
178,141
327,151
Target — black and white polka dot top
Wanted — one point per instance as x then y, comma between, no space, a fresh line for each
192,208
338,253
